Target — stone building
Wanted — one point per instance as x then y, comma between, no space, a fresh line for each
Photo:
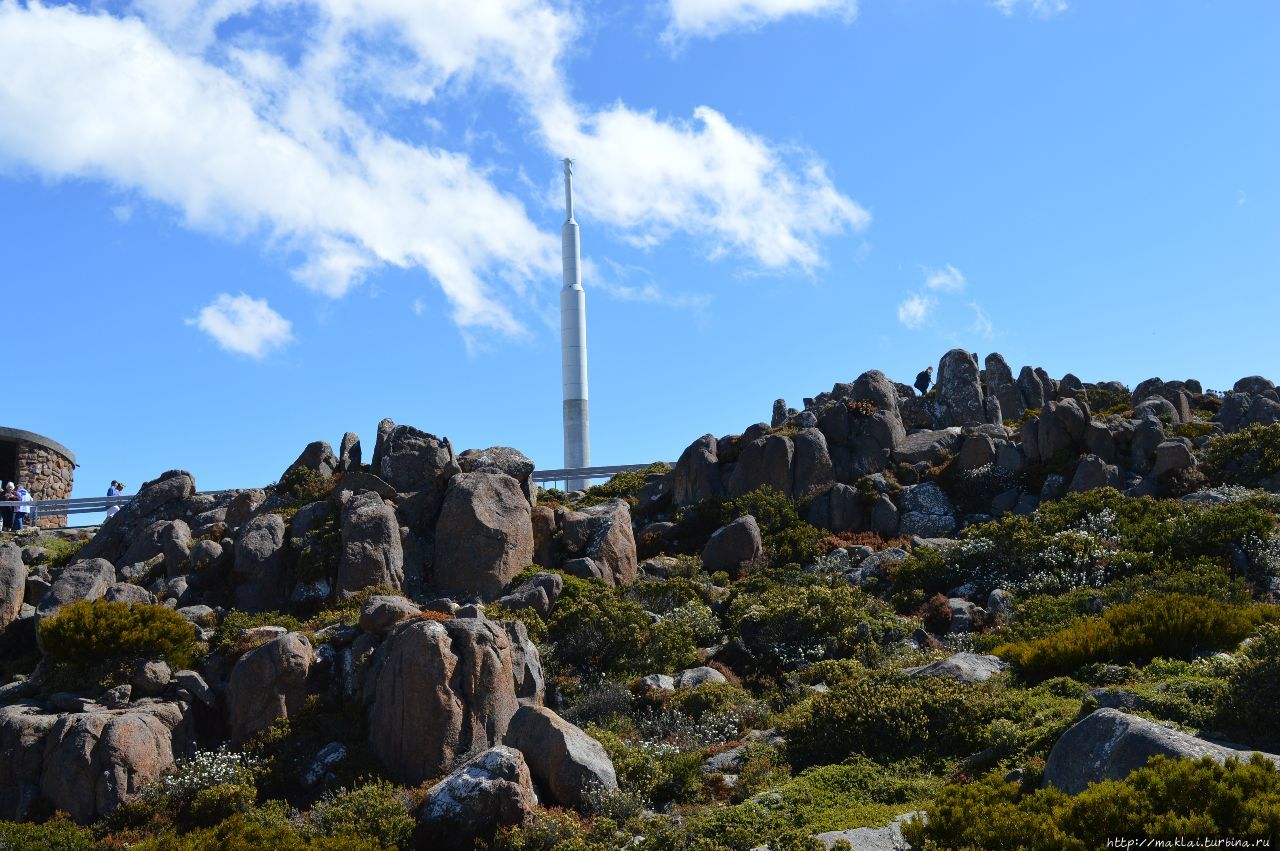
44,467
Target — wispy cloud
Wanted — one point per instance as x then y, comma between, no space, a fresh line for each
981,322
1039,8
707,18
915,310
947,279
248,131
620,281
244,325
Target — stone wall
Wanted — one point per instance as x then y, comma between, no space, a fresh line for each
44,467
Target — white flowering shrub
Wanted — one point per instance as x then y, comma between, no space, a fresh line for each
206,769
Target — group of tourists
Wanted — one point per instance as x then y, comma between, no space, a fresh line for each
13,513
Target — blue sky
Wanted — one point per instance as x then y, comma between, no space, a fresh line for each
231,227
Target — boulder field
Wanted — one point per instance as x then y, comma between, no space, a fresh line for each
412,595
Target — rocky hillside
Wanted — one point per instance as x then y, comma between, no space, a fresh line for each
1010,613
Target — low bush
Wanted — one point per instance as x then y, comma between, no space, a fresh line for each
58,552
1245,457
787,539
1175,625
228,637
89,633
59,834
242,833
1250,704
596,631
887,716
623,485
1166,800
787,626
378,810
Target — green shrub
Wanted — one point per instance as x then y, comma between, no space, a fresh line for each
596,630
242,832
58,552
623,485
886,716
1167,799
88,633
304,486
1250,704
378,810
1175,625
59,834
212,805
788,626
787,539
227,637
1245,457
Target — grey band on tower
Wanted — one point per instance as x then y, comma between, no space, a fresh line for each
573,344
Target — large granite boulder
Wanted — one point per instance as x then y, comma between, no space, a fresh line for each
439,693
603,534
928,446
1109,744
765,461
962,667
317,458
926,511
565,762
1034,393
260,569
502,459
697,473
412,460
267,683
371,550
959,389
539,593
736,547
492,789
349,453
812,467
85,580
1000,384
484,536
162,496
13,584
86,763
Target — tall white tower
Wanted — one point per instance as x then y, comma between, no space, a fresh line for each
573,344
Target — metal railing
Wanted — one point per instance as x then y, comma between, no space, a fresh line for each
99,504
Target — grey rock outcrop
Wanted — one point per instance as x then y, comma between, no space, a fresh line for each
485,535
438,694
960,389
317,458
564,761
736,547
349,453
502,459
267,683
603,534
160,496
381,612
765,461
85,580
1109,744
13,584
371,550
697,475
260,570
492,789
963,667
87,763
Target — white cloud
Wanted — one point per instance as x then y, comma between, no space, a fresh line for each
1039,8
948,279
244,325
981,322
915,310
276,131
712,17
618,283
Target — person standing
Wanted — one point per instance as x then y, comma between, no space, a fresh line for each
7,500
20,513
115,490
923,379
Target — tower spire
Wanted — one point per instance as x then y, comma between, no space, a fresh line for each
573,343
